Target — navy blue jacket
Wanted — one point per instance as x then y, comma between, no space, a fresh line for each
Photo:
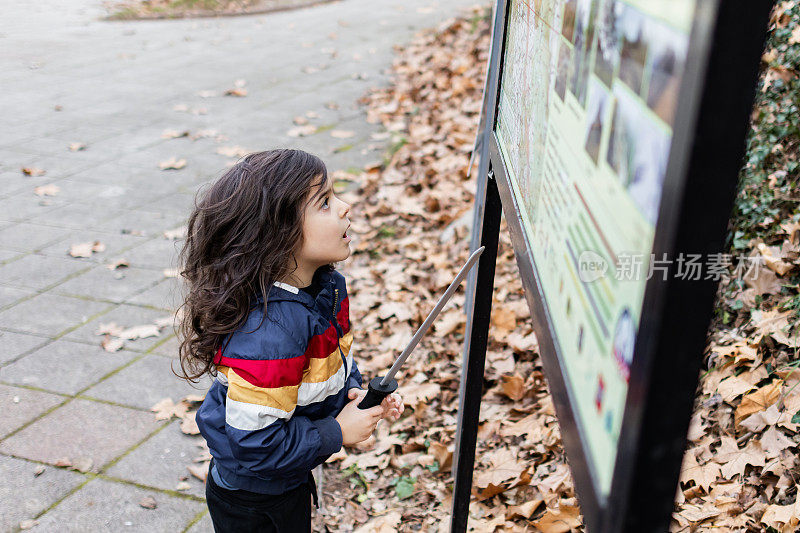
281,380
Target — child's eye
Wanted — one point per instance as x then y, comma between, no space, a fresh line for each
325,203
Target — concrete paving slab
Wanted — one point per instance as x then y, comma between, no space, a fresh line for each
158,253
29,237
49,314
81,429
105,506
25,494
116,285
125,316
166,295
16,344
20,405
204,525
168,349
53,367
38,271
146,382
24,204
115,243
9,295
161,461
143,223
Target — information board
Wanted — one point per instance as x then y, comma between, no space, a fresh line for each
586,107
612,138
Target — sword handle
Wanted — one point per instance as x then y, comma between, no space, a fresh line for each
377,392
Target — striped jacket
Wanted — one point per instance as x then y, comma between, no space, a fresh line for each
269,416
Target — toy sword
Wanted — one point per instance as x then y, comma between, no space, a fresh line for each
380,388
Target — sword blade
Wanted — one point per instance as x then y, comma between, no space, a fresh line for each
432,315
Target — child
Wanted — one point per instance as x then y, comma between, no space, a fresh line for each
287,388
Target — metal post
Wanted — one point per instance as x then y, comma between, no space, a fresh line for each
472,373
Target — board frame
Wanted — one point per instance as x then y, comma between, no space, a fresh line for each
711,122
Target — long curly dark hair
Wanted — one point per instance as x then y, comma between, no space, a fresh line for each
241,237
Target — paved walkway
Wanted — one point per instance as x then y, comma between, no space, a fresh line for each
68,77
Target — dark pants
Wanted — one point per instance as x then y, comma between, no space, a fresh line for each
244,511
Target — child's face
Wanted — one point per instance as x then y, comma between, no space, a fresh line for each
325,224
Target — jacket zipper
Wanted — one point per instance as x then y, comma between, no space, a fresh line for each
336,327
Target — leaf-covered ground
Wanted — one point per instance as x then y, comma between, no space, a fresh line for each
412,218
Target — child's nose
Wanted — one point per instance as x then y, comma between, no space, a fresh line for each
345,210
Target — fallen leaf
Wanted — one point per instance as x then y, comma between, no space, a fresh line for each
86,249
232,151
302,131
562,519
174,134
148,502
189,424
111,344
342,134
172,164
198,471
758,400
47,190
33,171
118,264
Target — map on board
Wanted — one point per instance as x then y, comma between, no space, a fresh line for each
586,107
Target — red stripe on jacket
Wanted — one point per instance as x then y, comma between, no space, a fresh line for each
285,372
322,345
270,373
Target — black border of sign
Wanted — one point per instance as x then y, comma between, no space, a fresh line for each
708,143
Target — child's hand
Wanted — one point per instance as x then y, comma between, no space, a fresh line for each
358,424
392,406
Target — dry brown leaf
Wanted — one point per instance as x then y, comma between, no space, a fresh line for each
232,151
200,471
419,393
47,190
111,344
513,386
734,460
33,171
148,502
703,475
342,134
302,131
166,409
86,249
189,424
174,134
172,164
119,263
758,400
562,519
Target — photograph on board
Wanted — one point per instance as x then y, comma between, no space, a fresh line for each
584,29
607,44
564,62
568,25
596,113
666,58
638,150
633,52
